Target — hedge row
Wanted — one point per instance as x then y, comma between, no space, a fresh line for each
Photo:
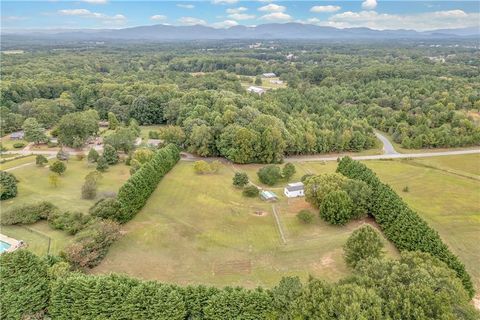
119,297
401,225
133,195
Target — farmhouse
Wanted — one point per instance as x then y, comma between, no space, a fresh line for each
293,190
19,135
257,90
269,75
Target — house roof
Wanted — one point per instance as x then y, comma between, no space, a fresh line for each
291,187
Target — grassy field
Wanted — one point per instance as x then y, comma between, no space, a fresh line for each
34,186
200,229
17,162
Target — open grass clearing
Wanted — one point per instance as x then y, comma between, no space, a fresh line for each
8,143
200,229
17,162
34,186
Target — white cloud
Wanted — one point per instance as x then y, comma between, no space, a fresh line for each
241,16
266,1
277,16
191,21
225,24
369,4
95,1
185,6
272,8
117,19
224,1
321,9
236,10
158,17
448,19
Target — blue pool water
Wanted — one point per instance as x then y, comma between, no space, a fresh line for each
3,246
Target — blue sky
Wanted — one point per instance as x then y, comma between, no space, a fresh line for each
376,14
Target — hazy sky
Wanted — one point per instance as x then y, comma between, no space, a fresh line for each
376,14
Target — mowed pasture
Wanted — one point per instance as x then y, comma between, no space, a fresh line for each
200,229
34,186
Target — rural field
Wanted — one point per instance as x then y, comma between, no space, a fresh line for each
199,228
34,186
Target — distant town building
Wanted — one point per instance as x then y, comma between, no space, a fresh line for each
293,190
256,90
276,81
269,75
19,135
268,195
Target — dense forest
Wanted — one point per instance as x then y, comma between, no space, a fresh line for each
423,95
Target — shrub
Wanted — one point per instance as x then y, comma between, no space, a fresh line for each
58,167
63,155
91,244
269,175
53,179
110,154
250,191
71,222
306,176
102,164
8,185
27,213
92,155
305,216
240,179
41,160
336,208
288,171
362,244
18,145
89,188
201,167
406,189
153,134
25,286
107,208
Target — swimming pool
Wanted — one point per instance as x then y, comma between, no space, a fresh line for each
4,246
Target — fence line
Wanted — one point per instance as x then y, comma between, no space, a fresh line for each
279,225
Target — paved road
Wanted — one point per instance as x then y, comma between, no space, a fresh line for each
388,147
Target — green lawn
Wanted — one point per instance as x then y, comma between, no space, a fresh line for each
34,186
7,143
200,229
17,162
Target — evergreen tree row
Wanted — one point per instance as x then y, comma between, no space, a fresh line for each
133,195
401,225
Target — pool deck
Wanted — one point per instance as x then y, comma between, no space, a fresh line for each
14,244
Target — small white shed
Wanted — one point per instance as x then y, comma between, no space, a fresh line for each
293,190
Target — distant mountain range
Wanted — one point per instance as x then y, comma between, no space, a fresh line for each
289,31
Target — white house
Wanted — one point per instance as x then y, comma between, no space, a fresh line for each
293,190
256,90
269,75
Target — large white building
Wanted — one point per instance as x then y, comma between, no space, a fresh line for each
293,190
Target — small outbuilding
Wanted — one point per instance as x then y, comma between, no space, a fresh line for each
19,135
257,90
293,190
269,75
268,195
